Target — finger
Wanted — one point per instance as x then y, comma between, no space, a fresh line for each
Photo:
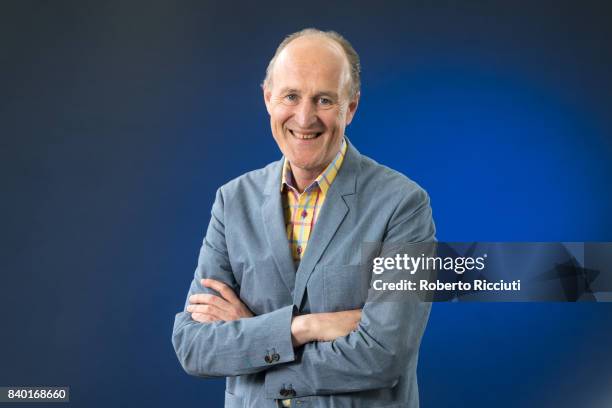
208,299
224,290
203,318
200,298
219,314
206,309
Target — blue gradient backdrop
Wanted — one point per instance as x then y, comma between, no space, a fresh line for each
119,120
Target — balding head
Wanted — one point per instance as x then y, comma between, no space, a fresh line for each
313,57
327,41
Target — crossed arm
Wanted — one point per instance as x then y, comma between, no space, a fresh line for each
208,308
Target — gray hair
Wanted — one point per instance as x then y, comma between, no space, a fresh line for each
351,56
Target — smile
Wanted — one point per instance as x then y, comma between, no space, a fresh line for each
305,136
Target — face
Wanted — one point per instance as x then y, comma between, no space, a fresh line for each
308,102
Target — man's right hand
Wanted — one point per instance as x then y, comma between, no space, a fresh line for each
323,326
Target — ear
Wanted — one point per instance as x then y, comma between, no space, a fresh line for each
352,108
267,94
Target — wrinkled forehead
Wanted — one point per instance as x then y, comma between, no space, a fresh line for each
311,65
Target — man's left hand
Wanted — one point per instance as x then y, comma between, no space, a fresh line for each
206,308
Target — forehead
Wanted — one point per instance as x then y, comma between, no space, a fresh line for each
311,63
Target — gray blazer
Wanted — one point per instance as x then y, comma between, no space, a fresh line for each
246,247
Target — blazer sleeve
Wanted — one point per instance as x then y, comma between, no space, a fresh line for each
242,346
388,333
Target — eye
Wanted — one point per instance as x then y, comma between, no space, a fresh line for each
325,101
290,99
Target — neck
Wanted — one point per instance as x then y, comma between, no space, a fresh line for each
303,178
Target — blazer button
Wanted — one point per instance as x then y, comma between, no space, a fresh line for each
275,357
290,392
283,392
268,359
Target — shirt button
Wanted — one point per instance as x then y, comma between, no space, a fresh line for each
287,391
304,214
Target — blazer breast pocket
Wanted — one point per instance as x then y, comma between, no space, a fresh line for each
345,287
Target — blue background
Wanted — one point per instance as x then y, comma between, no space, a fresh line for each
119,120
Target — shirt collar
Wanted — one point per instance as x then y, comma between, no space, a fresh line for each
324,180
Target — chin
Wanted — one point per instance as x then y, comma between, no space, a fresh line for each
302,164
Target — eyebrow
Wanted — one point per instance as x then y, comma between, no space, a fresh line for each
318,94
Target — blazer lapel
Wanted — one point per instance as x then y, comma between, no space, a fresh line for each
274,228
332,215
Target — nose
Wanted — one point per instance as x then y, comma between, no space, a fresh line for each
305,114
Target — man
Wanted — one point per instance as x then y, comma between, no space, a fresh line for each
276,303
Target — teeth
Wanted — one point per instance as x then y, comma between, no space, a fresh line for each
304,136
